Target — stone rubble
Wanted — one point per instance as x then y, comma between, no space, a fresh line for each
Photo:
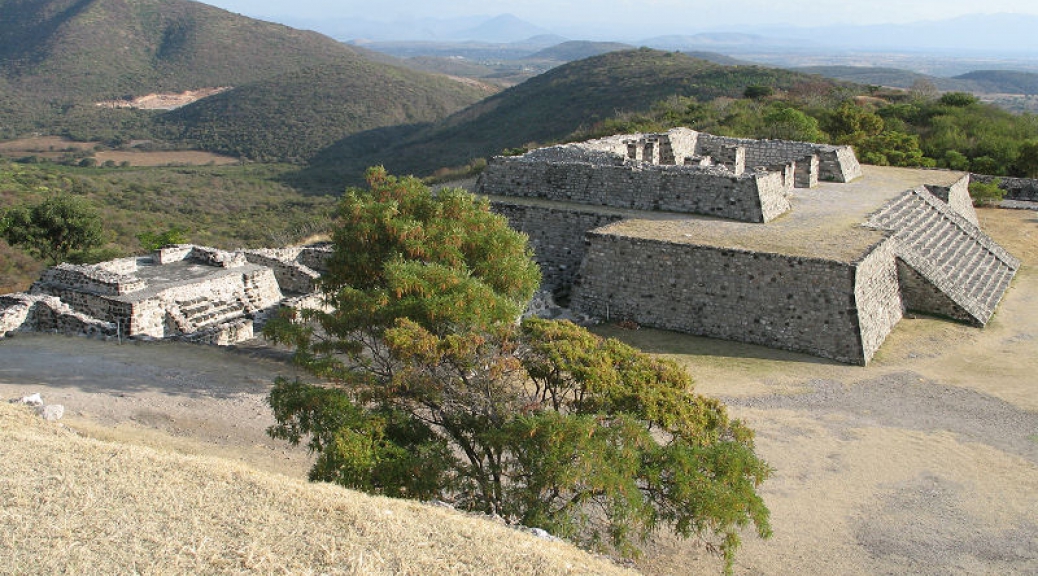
49,412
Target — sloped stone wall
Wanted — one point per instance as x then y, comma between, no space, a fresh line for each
877,296
291,276
920,295
556,237
801,304
957,197
89,279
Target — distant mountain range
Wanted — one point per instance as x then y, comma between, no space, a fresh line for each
303,97
980,81
975,33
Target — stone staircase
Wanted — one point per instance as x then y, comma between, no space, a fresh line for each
953,268
200,313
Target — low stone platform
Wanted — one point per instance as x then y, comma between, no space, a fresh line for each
830,276
183,291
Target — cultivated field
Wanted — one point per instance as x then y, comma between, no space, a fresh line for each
53,148
924,462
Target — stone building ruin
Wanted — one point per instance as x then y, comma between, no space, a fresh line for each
790,245
188,292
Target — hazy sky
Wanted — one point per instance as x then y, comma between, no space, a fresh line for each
669,15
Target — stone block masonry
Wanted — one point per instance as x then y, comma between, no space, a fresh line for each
1020,189
957,197
556,236
191,292
948,265
757,196
833,309
799,248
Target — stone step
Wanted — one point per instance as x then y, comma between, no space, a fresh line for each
998,287
215,314
969,256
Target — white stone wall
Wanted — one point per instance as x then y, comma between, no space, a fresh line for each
877,296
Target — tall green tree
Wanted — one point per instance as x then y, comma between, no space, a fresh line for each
434,391
53,228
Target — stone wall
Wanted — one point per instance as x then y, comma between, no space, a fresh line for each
291,275
836,163
805,172
920,295
556,236
88,279
753,197
957,197
801,304
315,257
43,313
877,296
1022,189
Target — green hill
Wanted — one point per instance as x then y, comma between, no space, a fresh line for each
1002,81
880,76
95,49
292,116
577,50
543,109
979,81
296,91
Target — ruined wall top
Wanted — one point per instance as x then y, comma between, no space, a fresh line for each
93,279
687,147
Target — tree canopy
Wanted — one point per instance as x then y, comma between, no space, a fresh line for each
433,390
53,228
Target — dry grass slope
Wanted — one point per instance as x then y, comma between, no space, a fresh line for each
80,506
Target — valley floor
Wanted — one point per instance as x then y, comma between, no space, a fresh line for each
924,462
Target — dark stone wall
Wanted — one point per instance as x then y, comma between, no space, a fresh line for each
556,236
801,304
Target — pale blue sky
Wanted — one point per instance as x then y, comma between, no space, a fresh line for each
673,15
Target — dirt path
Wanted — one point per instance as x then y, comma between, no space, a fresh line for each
925,462
194,399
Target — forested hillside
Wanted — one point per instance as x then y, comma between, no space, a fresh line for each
293,116
548,108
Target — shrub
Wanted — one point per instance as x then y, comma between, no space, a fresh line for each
958,99
54,228
986,193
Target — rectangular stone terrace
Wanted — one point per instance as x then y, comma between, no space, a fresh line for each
825,222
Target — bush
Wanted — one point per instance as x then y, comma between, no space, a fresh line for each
54,228
986,193
958,99
437,393
756,92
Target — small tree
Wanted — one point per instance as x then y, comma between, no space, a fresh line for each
758,91
155,240
786,123
958,99
436,392
986,193
1027,160
54,228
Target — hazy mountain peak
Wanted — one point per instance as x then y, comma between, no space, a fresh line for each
503,28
